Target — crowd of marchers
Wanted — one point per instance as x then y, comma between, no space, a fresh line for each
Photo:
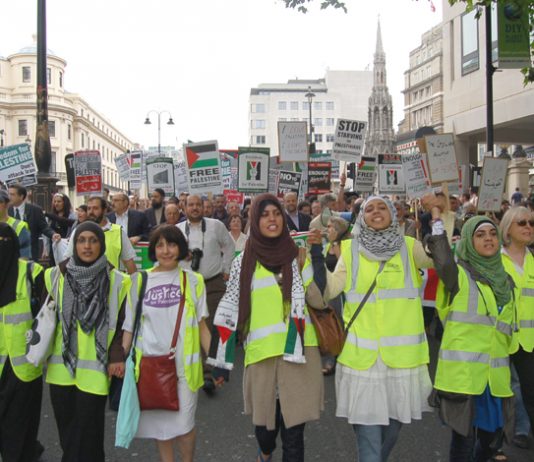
225,275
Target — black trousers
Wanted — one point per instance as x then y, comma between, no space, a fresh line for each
80,423
478,447
20,412
524,365
292,439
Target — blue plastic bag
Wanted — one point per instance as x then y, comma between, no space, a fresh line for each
129,410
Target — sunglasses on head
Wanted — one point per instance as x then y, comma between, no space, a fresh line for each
525,222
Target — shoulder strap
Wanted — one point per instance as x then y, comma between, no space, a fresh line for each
362,303
180,314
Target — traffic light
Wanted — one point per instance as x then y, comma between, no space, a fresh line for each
351,170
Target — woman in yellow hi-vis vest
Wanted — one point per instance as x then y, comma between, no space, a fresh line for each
475,301
159,316
21,383
382,378
87,348
517,228
264,306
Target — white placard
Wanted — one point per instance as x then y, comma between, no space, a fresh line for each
415,178
160,174
349,140
293,141
494,172
253,170
441,158
180,177
122,163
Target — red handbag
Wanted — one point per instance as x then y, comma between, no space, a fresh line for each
157,386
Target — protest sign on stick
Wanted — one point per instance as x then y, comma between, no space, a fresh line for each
494,171
349,140
293,141
203,168
88,172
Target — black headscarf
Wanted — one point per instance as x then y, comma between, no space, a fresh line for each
9,264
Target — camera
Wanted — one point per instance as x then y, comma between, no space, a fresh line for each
196,255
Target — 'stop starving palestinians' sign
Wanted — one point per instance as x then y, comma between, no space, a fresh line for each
203,168
348,143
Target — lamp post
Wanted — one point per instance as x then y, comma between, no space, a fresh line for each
310,96
169,122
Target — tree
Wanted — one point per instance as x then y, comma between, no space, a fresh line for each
528,72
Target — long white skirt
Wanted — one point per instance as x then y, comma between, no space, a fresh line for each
165,425
380,393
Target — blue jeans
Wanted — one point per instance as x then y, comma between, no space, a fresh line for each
375,442
522,422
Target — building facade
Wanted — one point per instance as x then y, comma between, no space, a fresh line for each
74,125
423,84
340,94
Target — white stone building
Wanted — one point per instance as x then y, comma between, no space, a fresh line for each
340,94
74,125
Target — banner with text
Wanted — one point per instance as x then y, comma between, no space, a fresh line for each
136,159
365,175
16,162
122,163
293,141
415,175
390,177
494,172
288,182
349,140
513,34
327,157
441,158
253,170
160,174
180,177
319,177
88,172
203,168
228,168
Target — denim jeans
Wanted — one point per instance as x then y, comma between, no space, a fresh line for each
292,439
522,422
375,442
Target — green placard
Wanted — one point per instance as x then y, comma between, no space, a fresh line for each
141,256
513,34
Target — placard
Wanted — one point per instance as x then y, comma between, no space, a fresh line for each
203,168
229,168
253,170
365,175
288,182
26,180
234,196
293,141
327,157
160,174
441,158
122,162
349,140
16,161
273,179
494,172
319,174
415,176
69,169
136,160
180,178
88,172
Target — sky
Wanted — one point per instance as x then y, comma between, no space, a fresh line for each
198,59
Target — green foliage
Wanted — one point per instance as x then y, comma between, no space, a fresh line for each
300,5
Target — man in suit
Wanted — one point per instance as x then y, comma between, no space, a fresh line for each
296,221
31,214
156,214
134,222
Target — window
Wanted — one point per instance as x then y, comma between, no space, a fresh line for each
330,138
318,138
52,128
69,132
258,124
294,105
61,79
260,107
260,139
427,91
330,122
23,127
94,145
414,97
329,105
318,105
470,59
81,112
26,74
49,76
83,140
305,106
318,122
282,105
53,161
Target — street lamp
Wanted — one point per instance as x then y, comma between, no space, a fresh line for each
170,122
310,97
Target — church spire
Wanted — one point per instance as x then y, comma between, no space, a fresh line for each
380,134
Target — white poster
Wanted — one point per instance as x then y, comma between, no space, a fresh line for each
203,168
415,178
180,177
160,174
349,140
122,163
494,171
441,158
253,170
293,141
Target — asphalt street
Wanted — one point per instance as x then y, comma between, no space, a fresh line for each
226,434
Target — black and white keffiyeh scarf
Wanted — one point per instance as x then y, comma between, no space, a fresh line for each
378,245
85,299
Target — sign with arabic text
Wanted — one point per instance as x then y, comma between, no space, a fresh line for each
88,172
441,158
490,195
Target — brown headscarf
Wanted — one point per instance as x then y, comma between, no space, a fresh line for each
278,252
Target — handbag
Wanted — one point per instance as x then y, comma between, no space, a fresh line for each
329,330
158,380
40,338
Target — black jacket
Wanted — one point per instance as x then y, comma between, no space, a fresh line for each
151,217
137,224
304,223
35,217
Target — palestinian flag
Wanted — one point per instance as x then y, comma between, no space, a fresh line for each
198,157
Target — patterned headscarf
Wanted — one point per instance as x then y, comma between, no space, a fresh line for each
378,245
